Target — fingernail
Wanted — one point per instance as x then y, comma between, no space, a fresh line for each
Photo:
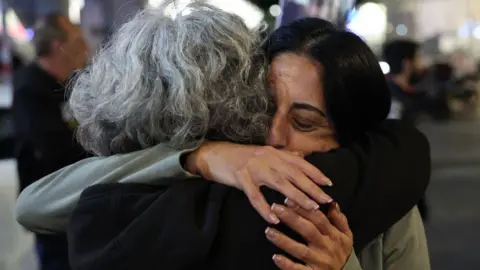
338,207
277,208
277,258
289,203
325,198
328,181
274,219
313,205
271,233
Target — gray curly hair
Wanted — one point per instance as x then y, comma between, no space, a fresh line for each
173,80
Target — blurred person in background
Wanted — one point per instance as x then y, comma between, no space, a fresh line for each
43,129
17,62
466,92
406,70
437,85
204,66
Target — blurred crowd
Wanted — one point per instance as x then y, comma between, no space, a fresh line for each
419,90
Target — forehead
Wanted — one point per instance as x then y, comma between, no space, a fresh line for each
296,77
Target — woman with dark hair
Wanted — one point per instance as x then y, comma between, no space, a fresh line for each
336,70
190,224
328,83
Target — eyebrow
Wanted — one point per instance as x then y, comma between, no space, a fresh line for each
308,107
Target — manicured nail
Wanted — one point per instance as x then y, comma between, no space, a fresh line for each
325,198
313,205
289,203
273,219
278,208
271,233
277,258
328,181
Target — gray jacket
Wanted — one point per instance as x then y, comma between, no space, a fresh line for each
46,205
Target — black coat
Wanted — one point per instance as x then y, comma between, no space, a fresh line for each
197,224
44,141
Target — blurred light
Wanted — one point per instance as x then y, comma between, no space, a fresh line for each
250,13
155,3
389,28
401,30
30,33
476,32
15,28
464,30
275,10
370,20
302,2
74,10
385,67
352,14
447,44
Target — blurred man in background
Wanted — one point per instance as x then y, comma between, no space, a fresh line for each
44,134
406,69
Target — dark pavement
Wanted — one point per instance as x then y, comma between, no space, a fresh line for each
453,229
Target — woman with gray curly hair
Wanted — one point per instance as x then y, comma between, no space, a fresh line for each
180,80
204,79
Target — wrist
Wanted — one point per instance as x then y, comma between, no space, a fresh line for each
189,162
195,161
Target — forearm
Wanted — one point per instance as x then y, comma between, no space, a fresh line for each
46,205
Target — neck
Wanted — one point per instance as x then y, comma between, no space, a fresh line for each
53,68
402,80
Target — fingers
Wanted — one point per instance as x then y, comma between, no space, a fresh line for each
277,182
300,154
257,199
311,171
317,218
298,250
301,181
299,224
336,221
339,220
285,263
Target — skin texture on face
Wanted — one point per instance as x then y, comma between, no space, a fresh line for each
300,122
74,49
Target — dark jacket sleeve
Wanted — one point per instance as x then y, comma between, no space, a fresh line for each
39,126
136,226
393,163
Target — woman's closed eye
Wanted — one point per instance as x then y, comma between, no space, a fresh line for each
303,124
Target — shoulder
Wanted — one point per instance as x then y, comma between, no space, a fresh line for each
408,226
403,246
405,243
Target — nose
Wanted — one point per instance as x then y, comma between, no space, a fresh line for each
278,134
